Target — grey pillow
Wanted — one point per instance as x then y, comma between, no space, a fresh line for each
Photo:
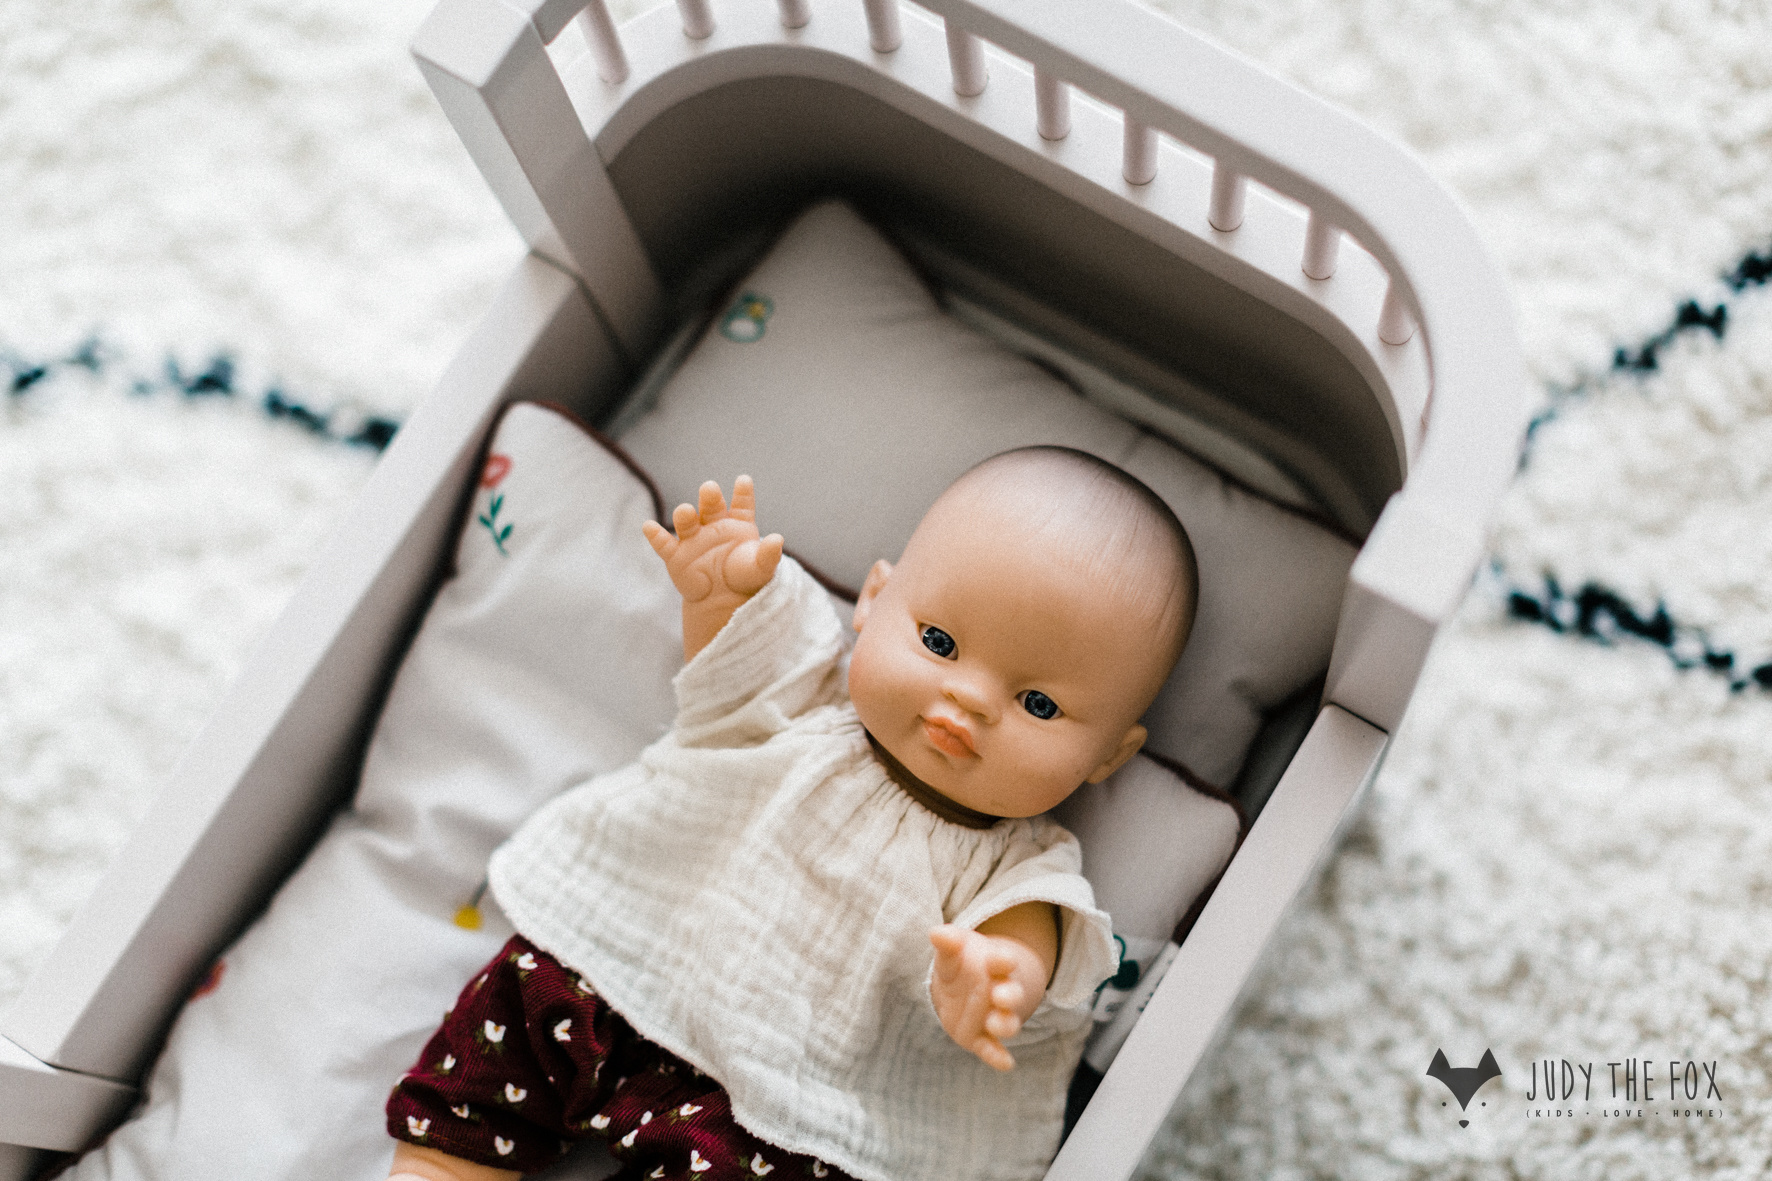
834,378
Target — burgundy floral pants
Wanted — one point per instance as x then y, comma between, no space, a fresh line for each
530,1060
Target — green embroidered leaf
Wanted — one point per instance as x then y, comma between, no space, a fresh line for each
489,520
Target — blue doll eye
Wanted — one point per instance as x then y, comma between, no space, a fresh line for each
939,642
1040,705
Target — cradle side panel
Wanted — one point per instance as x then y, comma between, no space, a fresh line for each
283,747
1292,837
18,1163
489,69
42,1107
1408,579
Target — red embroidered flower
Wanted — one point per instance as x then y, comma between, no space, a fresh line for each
497,468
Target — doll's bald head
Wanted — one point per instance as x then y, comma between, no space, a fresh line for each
1037,610
1090,515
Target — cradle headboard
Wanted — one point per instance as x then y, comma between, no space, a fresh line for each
733,163
1253,242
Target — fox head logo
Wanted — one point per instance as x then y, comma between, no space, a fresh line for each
1463,1081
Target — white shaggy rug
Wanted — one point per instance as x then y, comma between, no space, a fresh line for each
1569,852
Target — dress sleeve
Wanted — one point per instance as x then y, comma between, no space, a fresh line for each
1047,866
778,657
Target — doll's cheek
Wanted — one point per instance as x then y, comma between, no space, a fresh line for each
866,681
883,686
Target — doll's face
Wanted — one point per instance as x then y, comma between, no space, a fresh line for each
996,672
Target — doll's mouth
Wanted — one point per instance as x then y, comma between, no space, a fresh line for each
948,738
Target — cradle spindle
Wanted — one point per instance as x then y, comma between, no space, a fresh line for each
1140,165
698,18
1230,189
966,56
884,33
795,14
599,31
1052,102
1322,246
1395,324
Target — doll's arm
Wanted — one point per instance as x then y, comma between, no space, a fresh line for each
413,1163
988,981
716,560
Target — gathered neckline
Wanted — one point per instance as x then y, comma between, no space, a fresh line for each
942,806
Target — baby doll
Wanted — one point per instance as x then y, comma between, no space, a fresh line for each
842,902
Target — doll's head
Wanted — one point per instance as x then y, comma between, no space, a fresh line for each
1007,657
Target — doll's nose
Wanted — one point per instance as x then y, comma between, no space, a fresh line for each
971,697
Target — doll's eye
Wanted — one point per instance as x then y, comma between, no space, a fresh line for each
939,642
1040,705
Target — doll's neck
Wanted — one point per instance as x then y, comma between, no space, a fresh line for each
949,810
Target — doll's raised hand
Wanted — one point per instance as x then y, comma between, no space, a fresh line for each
986,982
716,559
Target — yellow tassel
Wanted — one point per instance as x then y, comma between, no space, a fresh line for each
468,917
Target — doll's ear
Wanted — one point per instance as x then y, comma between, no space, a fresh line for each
1129,746
878,573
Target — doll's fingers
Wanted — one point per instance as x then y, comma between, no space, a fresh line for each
712,503
1008,996
1001,1025
993,1053
660,539
979,960
998,964
979,1006
751,564
744,499
949,937
950,942
769,555
967,1015
686,521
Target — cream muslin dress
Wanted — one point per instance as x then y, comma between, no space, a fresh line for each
755,894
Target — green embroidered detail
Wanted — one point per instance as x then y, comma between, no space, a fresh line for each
1125,976
489,518
744,321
